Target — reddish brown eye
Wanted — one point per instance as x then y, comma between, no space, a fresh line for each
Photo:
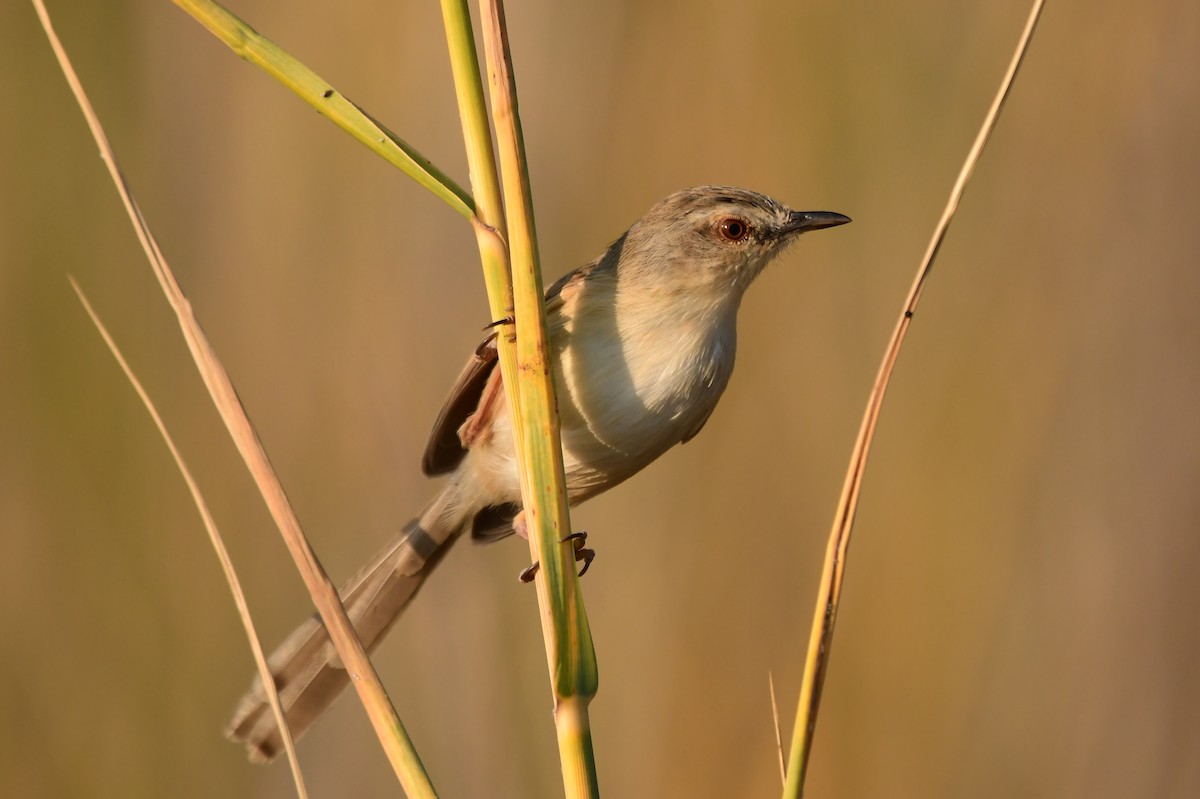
733,229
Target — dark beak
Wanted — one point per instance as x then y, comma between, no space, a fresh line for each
804,221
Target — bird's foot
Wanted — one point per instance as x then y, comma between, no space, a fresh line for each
508,320
583,555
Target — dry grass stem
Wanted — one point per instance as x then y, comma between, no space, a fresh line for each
383,716
778,730
829,595
214,536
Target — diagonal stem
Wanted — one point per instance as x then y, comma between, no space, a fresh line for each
388,727
833,573
250,45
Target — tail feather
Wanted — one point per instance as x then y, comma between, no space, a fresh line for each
308,673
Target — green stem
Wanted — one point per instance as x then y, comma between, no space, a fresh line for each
315,91
481,162
569,650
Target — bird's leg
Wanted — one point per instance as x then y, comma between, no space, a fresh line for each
522,530
583,554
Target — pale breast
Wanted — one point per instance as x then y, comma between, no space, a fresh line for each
631,389
632,382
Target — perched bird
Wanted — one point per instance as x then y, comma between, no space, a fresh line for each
642,340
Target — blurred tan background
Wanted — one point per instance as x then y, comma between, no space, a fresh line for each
1022,601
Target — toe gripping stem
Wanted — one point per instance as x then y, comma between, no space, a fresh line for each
583,555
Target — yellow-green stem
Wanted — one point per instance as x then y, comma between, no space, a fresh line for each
309,86
570,654
574,741
572,659
485,182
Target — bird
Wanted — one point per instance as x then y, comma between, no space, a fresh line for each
642,343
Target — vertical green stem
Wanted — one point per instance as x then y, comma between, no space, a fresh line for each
485,185
569,651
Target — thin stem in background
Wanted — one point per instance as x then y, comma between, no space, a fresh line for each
778,730
214,537
829,594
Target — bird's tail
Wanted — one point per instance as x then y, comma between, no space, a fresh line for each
308,673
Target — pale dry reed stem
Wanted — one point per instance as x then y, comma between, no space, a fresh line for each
214,536
829,594
388,728
778,730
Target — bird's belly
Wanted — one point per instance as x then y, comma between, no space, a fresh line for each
618,410
621,409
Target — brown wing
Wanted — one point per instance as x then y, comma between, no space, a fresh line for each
479,384
444,450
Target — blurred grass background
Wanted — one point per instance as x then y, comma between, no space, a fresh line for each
1021,608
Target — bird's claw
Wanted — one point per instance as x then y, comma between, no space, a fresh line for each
583,555
508,320
528,573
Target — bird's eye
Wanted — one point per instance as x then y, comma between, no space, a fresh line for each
733,229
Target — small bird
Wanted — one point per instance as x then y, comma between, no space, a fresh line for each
642,341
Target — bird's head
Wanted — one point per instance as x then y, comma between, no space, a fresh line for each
716,236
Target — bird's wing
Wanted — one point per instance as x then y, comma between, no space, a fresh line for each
466,413
477,390
445,450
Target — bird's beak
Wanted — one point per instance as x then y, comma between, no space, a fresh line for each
804,221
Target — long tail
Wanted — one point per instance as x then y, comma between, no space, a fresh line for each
308,673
